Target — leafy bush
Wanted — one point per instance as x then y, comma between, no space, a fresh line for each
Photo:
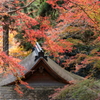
88,89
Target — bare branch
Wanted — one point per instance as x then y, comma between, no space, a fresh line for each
12,11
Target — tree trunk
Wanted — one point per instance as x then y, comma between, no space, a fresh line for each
6,36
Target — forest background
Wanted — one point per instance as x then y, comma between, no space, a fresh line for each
68,31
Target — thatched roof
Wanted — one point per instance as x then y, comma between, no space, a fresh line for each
31,60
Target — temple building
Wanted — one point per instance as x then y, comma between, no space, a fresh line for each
42,71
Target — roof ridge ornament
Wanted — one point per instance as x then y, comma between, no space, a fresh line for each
40,52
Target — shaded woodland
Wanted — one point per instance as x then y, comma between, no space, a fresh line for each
67,30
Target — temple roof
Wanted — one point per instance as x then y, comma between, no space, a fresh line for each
35,57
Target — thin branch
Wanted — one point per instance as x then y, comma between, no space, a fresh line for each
12,11
84,12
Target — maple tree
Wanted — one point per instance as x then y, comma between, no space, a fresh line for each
76,23
8,14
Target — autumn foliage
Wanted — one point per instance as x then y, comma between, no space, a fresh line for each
71,27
